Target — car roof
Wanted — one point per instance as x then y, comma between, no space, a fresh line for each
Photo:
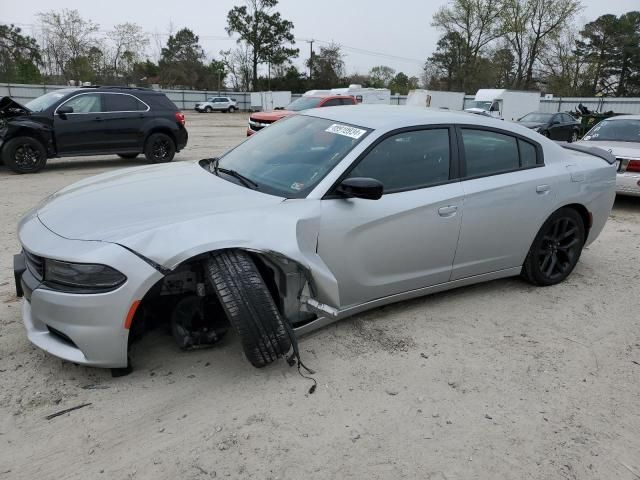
398,116
623,117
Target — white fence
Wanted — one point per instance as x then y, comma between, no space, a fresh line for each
186,99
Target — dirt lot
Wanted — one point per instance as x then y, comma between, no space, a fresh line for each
500,380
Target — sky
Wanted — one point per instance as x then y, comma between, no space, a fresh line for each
398,34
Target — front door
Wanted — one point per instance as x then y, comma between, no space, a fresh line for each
82,130
406,239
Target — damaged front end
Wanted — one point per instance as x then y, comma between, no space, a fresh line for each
9,108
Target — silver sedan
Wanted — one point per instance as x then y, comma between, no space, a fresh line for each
320,216
621,137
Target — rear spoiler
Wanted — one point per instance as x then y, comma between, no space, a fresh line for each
595,151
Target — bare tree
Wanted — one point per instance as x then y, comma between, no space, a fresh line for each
476,22
129,44
529,25
239,65
66,39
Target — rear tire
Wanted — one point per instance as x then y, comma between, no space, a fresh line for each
128,156
556,249
159,148
249,306
24,155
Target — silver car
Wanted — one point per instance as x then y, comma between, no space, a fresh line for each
323,215
217,104
621,137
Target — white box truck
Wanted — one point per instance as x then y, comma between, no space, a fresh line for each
505,104
268,101
436,99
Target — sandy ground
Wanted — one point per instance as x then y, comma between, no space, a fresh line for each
496,381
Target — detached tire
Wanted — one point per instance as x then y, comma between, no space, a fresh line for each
556,249
159,148
24,155
249,306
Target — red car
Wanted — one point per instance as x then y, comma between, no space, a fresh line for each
259,120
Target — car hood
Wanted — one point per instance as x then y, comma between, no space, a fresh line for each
117,205
10,108
271,116
618,149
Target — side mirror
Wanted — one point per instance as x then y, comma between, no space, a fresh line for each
62,111
366,188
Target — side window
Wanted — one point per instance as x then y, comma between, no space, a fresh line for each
332,102
567,118
556,118
347,101
487,153
87,103
116,102
528,154
408,160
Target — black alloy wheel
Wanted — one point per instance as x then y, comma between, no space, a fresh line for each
159,148
24,155
556,249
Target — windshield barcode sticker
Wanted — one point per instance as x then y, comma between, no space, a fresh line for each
351,132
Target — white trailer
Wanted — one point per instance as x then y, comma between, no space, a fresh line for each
505,104
436,99
362,95
268,101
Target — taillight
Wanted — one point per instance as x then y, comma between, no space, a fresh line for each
633,166
180,118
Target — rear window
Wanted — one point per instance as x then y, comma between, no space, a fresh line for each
116,102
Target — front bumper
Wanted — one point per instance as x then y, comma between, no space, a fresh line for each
628,184
87,329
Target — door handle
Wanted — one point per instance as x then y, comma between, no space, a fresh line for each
448,211
542,189
98,119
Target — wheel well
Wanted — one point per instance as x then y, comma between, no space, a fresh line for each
30,132
584,214
165,130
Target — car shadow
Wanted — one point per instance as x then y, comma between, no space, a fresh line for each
626,203
83,163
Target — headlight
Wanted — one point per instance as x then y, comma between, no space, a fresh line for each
81,277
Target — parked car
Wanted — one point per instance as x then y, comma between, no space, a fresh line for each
556,126
259,120
217,104
90,121
620,135
322,215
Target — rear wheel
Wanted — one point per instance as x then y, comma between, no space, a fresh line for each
159,148
24,155
249,306
556,249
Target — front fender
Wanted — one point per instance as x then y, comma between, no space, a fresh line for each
290,231
29,127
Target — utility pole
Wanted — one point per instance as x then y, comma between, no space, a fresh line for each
310,42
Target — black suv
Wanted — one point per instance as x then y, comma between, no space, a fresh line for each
90,121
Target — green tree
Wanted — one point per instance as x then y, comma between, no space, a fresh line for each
401,83
471,25
381,76
268,35
328,67
181,60
19,56
627,68
448,62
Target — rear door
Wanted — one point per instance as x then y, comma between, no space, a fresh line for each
406,239
508,194
123,118
83,130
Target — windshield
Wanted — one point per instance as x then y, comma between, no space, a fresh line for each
615,131
303,103
536,117
45,101
290,157
479,104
